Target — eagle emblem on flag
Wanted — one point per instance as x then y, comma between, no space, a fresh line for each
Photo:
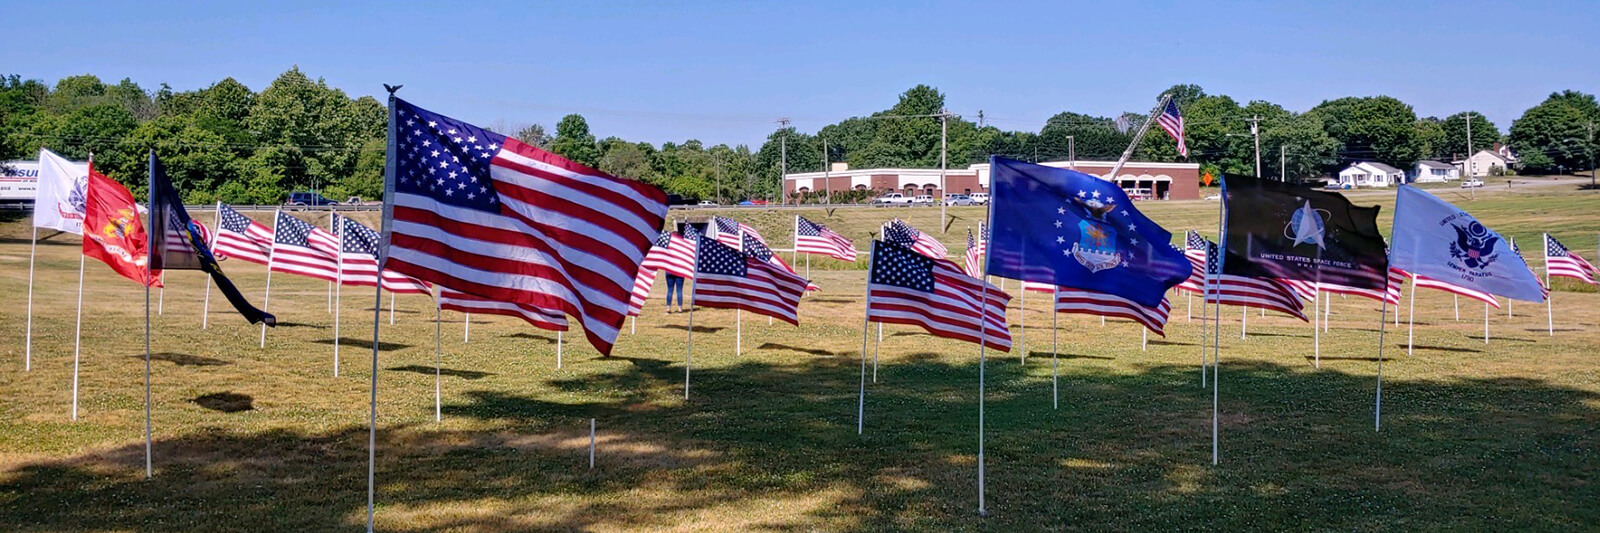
1096,248
1474,245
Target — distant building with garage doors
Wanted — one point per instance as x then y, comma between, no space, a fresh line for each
1165,181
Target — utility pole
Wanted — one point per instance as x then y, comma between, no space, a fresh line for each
944,116
980,119
783,154
1255,131
718,159
826,183
1072,152
1470,153
1591,151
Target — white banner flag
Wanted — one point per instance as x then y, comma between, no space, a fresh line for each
61,193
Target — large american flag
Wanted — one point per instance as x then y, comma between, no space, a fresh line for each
903,234
1265,293
727,231
1424,282
301,248
240,237
673,252
730,279
974,256
487,215
907,287
813,238
358,261
1172,121
1559,262
1086,302
466,303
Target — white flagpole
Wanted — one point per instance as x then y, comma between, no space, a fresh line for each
1055,350
875,346
333,218
1377,409
1205,287
794,252
558,349
1144,342
1327,312
1457,299
27,350
738,332
861,398
438,358
633,325
1244,318
1316,331
267,300
466,327
205,311
1486,323
1216,346
149,471
1022,322
77,339
1549,300
161,298
339,295
391,299
1411,319
688,353
983,339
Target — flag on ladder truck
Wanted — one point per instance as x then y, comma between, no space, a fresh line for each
301,248
813,238
490,216
1562,263
358,261
1171,121
238,236
909,288
730,279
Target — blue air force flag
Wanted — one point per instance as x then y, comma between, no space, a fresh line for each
1063,227
1437,240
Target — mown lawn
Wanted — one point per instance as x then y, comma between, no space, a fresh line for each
1476,436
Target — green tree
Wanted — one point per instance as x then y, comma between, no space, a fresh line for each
1559,132
1377,128
1093,137
1431,140
319,129
534,135
1484,134
628,160
573,141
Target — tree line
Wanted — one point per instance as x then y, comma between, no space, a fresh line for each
227,142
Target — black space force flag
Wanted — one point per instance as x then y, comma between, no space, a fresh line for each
178,242
1293,232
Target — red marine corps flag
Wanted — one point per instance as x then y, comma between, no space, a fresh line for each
113,231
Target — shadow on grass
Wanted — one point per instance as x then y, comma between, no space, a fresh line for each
225,402
697,329
451,372
282,324
547,339
765,447
813,351
364,344
1159,342
1457,349
183,359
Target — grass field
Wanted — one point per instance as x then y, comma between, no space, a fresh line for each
1496,436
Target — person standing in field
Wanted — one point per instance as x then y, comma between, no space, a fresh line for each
674,287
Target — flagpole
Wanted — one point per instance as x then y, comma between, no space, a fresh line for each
1216,346
466,327
161,298
1055,351
738,332
205,311
339,295
389,170
558,349
875,346
1377,409
27,351
1188,298
1022,322
1457,299
1316,333
861,398
983,340
148,469
266,300
77,339
1486,323
391,298
1327,312
794,252
1549,299
1144,342
1411,319
1244,317
688,353
333,218
1205,293
438,357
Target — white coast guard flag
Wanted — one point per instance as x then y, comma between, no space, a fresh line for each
61,193
1435,239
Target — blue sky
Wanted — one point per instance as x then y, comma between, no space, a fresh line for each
723,72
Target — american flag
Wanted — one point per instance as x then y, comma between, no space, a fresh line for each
974,256
813,238
673,253
903,234
906,287
238,236
1265,293
1171,121
1397,280
752,245
730,279
727,231
358,261
1561,263
1194,249
176,241
1098,303
642,283
1306,290
301,248
466,303
1424,282
1543,287
488,215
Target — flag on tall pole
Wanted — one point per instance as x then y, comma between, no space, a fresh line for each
58,204
1171,121
182,243
538,229
1295,232
728,278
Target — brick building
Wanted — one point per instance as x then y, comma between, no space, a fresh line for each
1166,181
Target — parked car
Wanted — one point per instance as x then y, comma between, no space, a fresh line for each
892,198
922,199
707,203
979,198
308,198
1470,183
958,199
356,200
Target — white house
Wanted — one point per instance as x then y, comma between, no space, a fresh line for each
1433,172
1370,174
1483,163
